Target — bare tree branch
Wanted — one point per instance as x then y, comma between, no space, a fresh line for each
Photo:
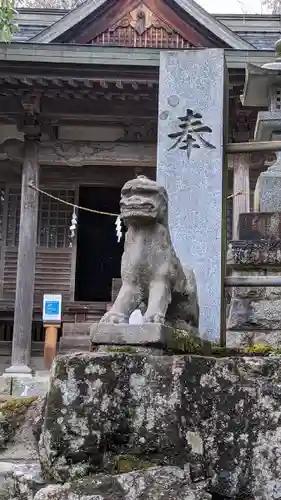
49,4
274,6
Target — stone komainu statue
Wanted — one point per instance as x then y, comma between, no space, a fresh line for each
151,271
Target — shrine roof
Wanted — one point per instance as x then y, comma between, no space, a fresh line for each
188,19
261,31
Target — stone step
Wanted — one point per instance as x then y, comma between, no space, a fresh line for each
72,343
74,329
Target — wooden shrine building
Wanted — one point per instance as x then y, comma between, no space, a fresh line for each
78,117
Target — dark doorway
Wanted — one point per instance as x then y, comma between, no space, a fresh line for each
98,251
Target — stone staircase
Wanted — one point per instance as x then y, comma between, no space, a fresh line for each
77,320
76,325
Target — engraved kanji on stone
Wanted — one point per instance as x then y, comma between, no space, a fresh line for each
191,133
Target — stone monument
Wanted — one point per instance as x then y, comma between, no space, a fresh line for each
255,313
152,276
191,166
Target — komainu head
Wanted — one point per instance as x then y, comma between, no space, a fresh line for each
143,202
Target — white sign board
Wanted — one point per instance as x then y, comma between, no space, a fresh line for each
52,306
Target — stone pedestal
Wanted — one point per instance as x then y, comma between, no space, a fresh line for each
255,313
148,337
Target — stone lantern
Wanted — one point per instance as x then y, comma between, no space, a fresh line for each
263,89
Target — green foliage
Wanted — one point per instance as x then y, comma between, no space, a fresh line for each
7,24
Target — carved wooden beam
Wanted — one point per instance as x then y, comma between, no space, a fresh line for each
78,153
29,125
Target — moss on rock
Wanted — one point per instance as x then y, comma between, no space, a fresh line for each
183,342
129,463
259,349
124,349
262,349
12,413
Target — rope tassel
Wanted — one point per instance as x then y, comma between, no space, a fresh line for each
73,224
118,224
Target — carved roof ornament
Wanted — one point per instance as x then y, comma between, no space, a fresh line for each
141,19
31,104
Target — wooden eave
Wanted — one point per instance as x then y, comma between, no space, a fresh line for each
75,57
83,82
78,92
93,86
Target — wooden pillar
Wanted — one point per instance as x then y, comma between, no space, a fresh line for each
26,261
241,184
50,346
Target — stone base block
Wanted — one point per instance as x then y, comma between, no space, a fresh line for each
238,339
125,334
18,371
245,314
147,335
112,412
251,254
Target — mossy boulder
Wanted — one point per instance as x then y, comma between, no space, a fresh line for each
117,412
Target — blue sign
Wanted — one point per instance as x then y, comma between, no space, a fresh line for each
52,308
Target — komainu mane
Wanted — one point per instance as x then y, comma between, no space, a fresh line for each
151,271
